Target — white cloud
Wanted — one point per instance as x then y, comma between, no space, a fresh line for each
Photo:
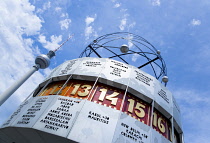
89,20
117,5
124,20
20,19
58,9
16,54
45,6
130,44
65,24
65,15
156,2
195,22
89,30
52,44
42,39
123,10
135,57
28,42
132,25
123,24
36,50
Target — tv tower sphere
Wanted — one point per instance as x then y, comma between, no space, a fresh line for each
112,93
44,60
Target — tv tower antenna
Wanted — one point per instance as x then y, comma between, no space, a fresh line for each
41,62
63,43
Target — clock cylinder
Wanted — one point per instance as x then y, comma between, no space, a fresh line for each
96,100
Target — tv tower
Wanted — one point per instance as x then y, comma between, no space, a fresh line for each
41,62
115,92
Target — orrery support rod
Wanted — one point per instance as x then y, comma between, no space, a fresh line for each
148,62
94,51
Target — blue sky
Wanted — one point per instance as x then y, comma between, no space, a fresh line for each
180,29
